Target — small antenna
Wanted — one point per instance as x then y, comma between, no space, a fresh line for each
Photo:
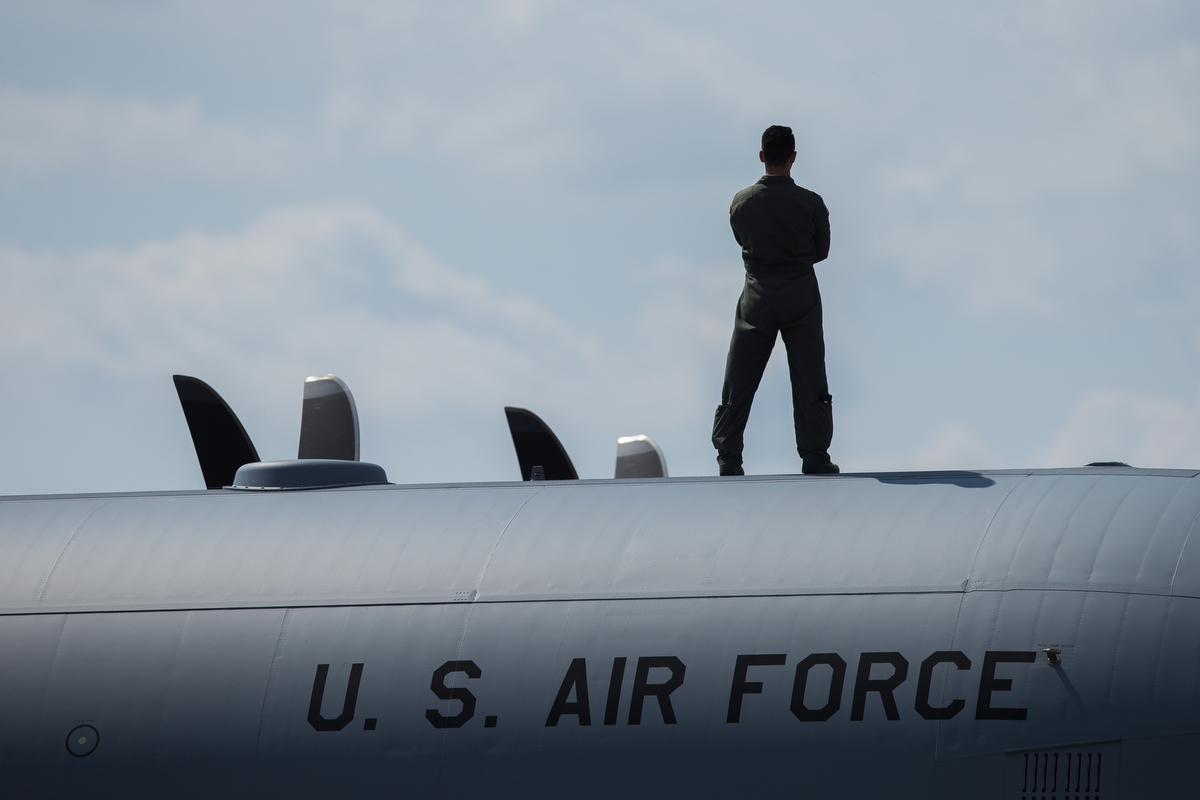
640,457
329,420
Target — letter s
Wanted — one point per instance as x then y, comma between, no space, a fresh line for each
459,693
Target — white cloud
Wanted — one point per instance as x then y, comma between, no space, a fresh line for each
953,446
339,288
660,60
523,90
1005,260
41,132
1119,425
1051,180
332,284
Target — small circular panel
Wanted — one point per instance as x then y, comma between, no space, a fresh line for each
82,740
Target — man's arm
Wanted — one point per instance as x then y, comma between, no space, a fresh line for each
821,232
733,222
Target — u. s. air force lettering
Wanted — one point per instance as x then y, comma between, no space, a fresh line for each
657,677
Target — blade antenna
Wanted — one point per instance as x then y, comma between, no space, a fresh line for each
221,442
640,457
329,421
537,446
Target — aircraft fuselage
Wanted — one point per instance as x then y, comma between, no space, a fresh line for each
879,635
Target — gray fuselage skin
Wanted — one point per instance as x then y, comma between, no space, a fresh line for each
841,636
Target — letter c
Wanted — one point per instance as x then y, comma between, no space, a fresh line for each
955,657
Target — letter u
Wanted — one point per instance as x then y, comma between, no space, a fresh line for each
318,694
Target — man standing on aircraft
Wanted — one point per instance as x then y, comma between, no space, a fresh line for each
783,230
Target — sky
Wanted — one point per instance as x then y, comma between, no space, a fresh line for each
457,206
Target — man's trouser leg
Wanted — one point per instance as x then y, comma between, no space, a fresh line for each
804,338
749,351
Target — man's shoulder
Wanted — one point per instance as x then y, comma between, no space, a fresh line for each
778,188
747,193
808,194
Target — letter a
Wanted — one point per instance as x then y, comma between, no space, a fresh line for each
576,679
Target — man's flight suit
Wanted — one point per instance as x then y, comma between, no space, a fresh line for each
783,230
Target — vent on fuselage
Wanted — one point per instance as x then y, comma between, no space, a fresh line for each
1081,772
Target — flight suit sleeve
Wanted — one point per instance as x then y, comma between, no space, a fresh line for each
733,222
821,231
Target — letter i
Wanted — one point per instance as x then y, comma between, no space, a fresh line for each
614,691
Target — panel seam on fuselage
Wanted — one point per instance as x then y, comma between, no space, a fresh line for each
487,563
262,712
466,625
1179,560
966,585
66,546
962,598
33,612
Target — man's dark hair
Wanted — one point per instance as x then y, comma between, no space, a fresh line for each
778,144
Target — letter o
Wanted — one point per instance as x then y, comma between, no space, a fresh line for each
836,683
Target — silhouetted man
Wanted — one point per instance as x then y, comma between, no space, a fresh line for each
783,230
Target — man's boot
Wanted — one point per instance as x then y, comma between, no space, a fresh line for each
729,467
814,466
